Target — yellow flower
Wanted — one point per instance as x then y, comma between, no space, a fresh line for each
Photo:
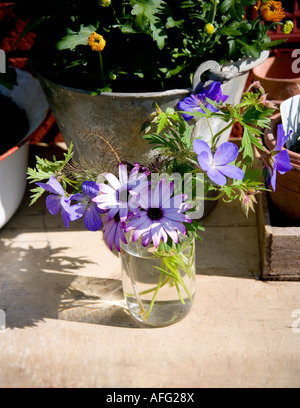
96,42
287,27
271,11
209,29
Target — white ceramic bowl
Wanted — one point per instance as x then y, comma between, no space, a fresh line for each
29,96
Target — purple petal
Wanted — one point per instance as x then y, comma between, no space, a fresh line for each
53,186
123,177
231,171
174,215
123,213
56,186
53,203
201,146
216,177
170,229
146,238
273,180
110,236
282,162
226,153
205,161
105,189
281,137
156,196
112,212
66,217
78,197
90,189
75,211
92,219
141,229
156,233
113,181
215,92
117,239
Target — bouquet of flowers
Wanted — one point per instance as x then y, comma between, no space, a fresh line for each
141,45
154,209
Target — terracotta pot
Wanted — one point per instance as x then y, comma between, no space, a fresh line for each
286,197
277,77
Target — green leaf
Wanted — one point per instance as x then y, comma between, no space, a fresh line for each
251,50
146,12
73,39
235,8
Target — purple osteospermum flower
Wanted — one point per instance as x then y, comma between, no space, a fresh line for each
193,102
87,208
160,215
217,166
114,197
280,160
113,231
58,201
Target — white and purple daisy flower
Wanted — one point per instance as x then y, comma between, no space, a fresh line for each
161,215
114,196
87,208
193,102
217,165
113,231
58,200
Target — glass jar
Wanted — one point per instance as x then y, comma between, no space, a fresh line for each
159,286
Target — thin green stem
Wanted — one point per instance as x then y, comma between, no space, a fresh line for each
211,131
155,294
215,138
101,68
214,11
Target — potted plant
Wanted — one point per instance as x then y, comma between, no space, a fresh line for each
149,211
286,189
133,54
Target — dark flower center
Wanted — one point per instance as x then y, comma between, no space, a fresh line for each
117,217
155,214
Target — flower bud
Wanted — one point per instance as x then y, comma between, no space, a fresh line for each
209,29
287,27
96,42
104,3
112,76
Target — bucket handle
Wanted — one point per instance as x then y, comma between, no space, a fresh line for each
215,74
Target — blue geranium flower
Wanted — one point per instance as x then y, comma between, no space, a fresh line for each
217,165
87,208
58,200
193,102
280,160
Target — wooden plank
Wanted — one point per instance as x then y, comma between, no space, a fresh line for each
279,246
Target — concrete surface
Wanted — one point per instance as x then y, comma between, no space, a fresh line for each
66,324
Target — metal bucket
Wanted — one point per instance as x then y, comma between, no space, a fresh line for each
117,117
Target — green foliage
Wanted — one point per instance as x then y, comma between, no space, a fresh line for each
151,45
73,39
45,169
